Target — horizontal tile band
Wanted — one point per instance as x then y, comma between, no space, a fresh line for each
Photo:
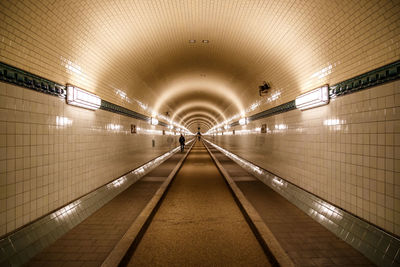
381,75
384,74
28,80
366,80
105,105
19,77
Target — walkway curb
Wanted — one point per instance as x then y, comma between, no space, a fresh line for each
264,235
138,227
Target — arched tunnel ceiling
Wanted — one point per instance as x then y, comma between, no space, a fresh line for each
137,53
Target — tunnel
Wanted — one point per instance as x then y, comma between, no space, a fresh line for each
199,133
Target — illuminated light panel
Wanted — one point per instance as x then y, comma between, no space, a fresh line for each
153,121
313,98
82,98
243,121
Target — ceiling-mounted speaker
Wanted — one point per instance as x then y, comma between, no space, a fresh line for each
263,89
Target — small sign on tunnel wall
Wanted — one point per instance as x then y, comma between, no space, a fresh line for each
153,143
133,128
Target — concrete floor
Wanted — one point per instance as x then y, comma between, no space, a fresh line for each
199,223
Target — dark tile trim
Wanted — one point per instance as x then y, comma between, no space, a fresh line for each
363,81
16,76
28,80
366,80
105,105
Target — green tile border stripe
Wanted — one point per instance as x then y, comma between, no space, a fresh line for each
363,81
379,246
384,74
105,105
28,80
273,111
366,80
19,77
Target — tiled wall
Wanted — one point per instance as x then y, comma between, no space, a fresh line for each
347,152
52,153
295,45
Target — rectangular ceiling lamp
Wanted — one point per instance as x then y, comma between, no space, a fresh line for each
313,98
243,121
153,121
82,98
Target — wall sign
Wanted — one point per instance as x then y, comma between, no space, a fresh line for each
133,128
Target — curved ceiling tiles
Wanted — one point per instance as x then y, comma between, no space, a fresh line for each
203,113
198,118
199,122
137,53
194,125
197,104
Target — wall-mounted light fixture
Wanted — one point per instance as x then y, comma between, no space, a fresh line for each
81,98
313,98
243,121
153,121
263,89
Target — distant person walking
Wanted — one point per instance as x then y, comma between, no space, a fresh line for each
182,142
198,135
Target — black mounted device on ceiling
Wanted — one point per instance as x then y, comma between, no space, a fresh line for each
263,89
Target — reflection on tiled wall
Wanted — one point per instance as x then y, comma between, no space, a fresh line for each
52,153
347,152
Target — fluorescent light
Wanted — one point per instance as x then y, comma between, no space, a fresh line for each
243,121
313,98
153,121
82,98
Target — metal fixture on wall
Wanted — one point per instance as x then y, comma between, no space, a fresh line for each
263,89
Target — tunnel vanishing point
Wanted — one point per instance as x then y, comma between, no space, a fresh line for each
290,111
